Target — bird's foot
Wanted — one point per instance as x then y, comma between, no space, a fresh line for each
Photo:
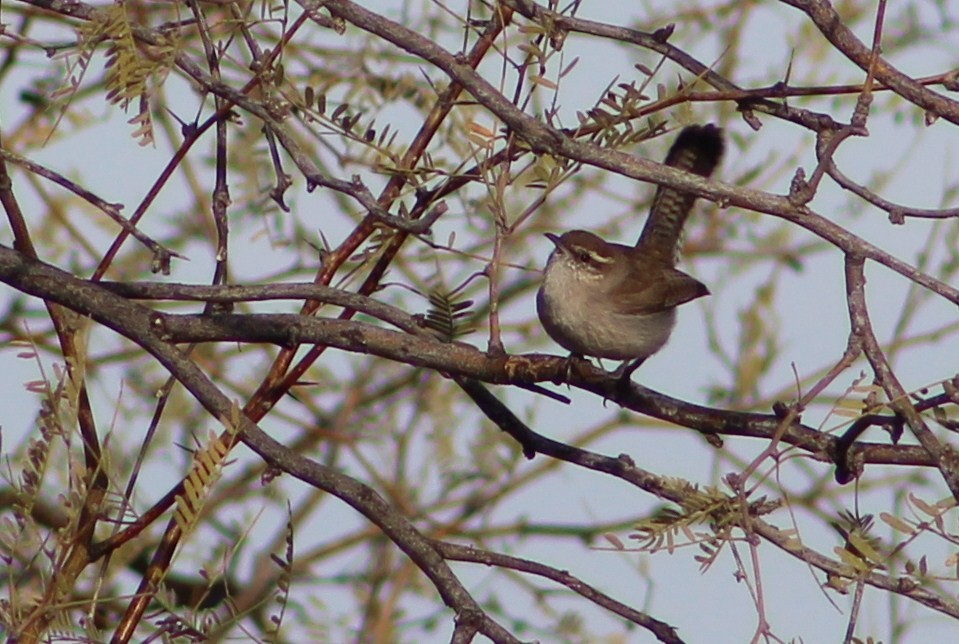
624,374
567,370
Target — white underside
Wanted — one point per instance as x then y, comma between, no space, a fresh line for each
589,326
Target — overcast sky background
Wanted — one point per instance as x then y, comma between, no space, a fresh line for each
811,312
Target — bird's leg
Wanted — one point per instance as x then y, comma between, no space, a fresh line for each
568,368
625,372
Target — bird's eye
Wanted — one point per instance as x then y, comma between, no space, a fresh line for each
584,257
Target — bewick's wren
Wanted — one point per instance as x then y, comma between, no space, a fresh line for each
619,302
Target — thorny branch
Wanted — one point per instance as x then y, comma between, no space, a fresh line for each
111,304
